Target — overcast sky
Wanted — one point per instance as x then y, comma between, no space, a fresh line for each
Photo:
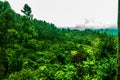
71,12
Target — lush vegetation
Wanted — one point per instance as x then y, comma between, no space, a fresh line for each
32,49
111,31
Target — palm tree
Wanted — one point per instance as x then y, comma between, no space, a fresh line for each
118,54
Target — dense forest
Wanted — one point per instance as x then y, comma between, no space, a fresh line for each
32,49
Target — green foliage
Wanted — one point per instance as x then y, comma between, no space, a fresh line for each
32,49
107,45
26,10
25,74
106,69
68,73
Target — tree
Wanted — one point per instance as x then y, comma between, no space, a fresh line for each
107,46
26,10
6,21
118,54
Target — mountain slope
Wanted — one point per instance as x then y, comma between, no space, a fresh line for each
32,49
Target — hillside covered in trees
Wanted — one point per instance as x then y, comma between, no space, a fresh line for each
32,49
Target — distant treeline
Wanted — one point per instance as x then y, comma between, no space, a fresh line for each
112,31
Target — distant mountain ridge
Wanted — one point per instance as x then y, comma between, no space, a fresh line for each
83,27
92,24
113,30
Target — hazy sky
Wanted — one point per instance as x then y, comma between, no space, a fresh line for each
71,12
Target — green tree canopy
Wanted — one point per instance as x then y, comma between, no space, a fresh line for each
26,10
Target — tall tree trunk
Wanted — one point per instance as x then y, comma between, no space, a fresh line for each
118,54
